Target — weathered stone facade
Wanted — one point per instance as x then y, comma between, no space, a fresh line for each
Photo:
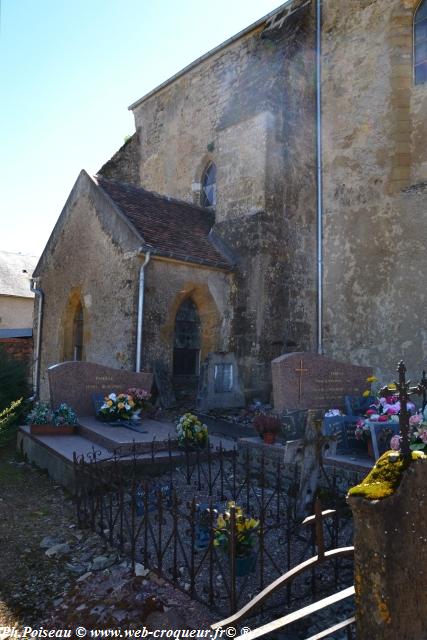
93,259
249,106
375,193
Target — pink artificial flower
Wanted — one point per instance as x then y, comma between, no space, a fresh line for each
360,423
423,436
370,412
395,443
392,411
415,420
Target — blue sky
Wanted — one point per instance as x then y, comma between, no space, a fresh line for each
69,69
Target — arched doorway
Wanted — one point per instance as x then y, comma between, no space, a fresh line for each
186,352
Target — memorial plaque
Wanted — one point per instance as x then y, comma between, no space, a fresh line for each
223,378
312,381
76,382
219,385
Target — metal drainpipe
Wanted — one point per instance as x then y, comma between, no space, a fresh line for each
141,310
36,372
319,176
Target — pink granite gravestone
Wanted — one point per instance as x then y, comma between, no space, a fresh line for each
76,382
312,381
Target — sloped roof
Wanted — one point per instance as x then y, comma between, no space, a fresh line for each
168,227
16,270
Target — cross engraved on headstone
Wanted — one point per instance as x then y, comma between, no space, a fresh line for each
301,371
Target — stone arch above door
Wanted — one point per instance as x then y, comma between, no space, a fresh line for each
210,319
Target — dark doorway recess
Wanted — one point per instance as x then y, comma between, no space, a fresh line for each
186,353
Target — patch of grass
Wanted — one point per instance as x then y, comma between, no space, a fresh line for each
385,477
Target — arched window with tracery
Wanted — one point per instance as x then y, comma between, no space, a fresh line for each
420,43
208,186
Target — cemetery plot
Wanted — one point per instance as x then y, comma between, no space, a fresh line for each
171,525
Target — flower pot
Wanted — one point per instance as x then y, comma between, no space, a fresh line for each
52,430
245,565
269,437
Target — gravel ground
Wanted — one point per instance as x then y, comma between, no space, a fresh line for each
56,576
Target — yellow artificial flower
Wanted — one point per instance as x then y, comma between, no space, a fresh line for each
220,522
371,379
366,393
110,403
121,405
392,387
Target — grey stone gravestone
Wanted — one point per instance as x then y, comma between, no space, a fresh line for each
312,381
76,382
164,384
219,384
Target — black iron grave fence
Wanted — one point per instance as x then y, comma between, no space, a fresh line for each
169,523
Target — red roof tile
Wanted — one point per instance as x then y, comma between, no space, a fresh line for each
168,227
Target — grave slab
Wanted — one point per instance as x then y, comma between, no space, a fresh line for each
76,382
308,380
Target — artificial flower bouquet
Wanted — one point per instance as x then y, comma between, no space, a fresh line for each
417,433
117,406
246,530
191,431
140,399
45,421
385,408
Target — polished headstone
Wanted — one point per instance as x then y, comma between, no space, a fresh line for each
312,381
76,382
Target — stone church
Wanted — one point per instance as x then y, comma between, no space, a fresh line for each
272,199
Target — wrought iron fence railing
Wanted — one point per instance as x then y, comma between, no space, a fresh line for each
169,524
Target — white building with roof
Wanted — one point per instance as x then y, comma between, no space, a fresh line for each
16,298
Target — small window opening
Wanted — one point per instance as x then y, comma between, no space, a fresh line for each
208,191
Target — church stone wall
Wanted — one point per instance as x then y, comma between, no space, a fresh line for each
93,256
250,108
375,195
167,285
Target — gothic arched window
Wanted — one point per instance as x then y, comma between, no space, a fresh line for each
420,43
208,190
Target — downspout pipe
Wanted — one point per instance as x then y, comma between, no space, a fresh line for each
140,321
36,369
319,167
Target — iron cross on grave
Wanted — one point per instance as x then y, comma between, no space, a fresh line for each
301,372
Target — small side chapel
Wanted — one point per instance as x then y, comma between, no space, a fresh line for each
255,210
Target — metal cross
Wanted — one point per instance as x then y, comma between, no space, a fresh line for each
317,520
300,371
405,391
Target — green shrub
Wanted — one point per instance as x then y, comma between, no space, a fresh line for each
13,379
8,422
